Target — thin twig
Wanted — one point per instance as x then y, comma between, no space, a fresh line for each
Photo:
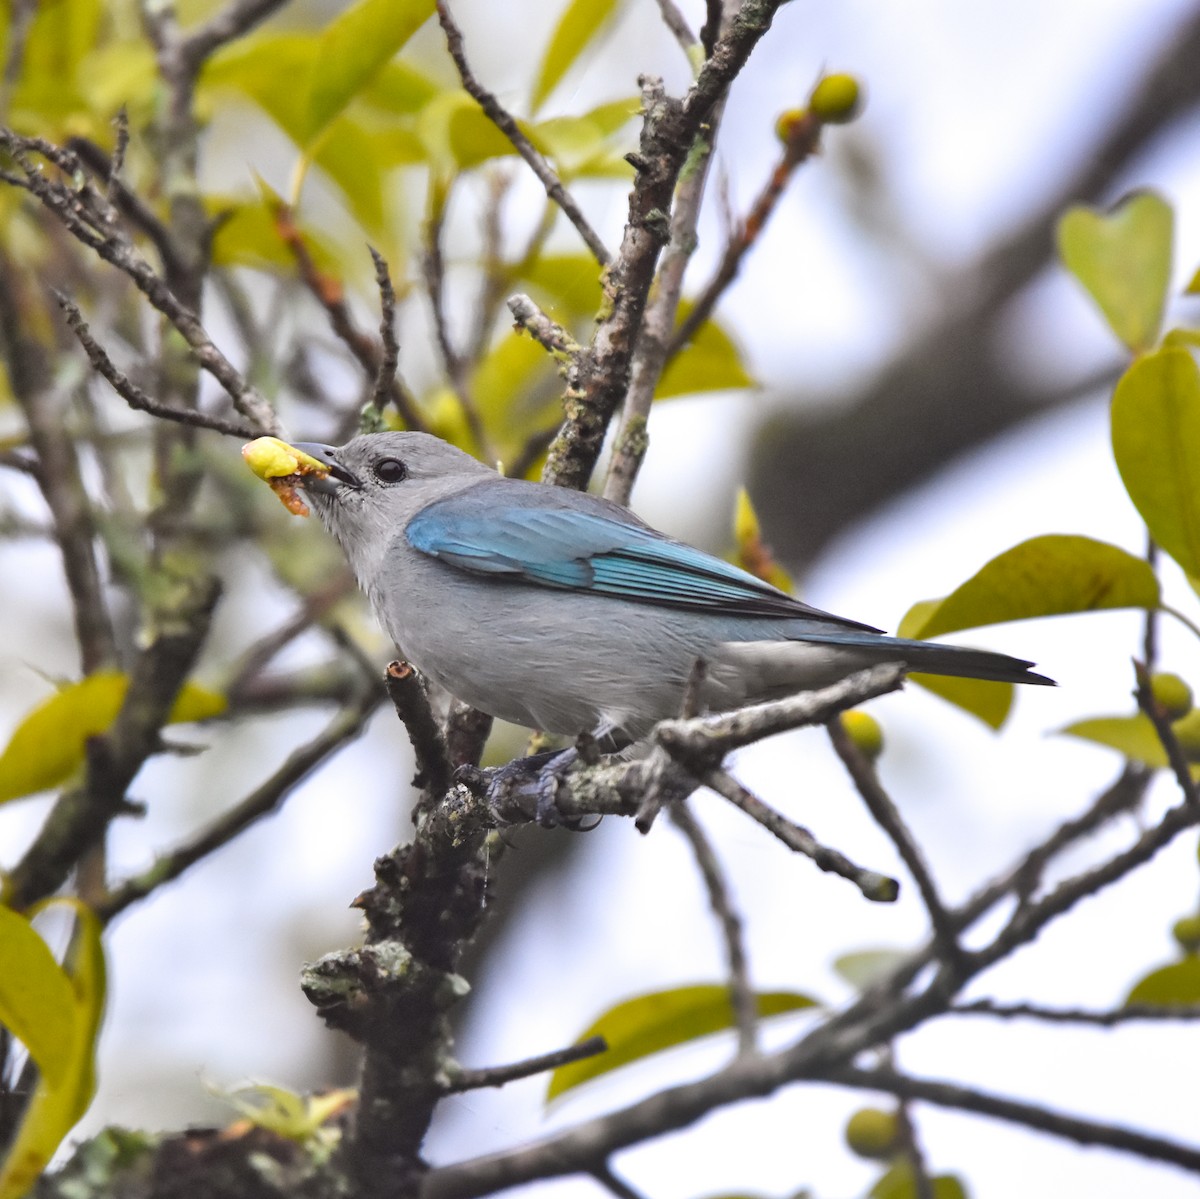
669,130
313,608
20,20
612,1183
121,125
745,1006
650,354
717,734
1180,766
433,266
1029,919
498,1076
676,22
262,801
1103,1019
231,22
548,333
84,212
536,444
523,146
55,466
877,887
131,393
385,376
1028,1115
888,817
331,295
803,140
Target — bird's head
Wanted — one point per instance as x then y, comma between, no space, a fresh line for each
373,485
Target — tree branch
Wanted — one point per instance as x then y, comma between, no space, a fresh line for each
524,147
1028,1115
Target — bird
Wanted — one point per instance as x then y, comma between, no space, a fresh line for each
564,612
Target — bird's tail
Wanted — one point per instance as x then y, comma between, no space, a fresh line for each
930,657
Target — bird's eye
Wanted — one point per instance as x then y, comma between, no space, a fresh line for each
390,470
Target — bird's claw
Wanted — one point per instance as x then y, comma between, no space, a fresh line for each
538,775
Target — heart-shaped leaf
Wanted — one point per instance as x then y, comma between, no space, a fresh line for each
1123,259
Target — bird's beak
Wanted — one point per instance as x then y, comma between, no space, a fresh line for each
338,475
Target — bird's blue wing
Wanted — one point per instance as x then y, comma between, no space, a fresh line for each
589,545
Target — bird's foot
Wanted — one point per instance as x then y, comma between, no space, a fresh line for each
536,777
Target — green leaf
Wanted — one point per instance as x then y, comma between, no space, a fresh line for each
900,1183
1177,983
37,1003
458,134
579,24
1156,442
247,235
1123,259
990,701
399,89
659,1020
865,967
711,361
1134,736
270,69
354,161
504,382
352,49
579,145
48,746
1045,576
298,1117
572,283
56,1108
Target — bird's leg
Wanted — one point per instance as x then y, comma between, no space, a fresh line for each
536,776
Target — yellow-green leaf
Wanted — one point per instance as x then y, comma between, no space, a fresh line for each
1193,287
1123,259
753,554
399,89
900,1182
515,390
660,1020
247,235
709,362
1156,442
1044,576
271,69
55,1109
572,281
48,746
1169,985
863,968
353,47
355,160
458,134
1181,339
1134,736
297,1117
580,23
37,1003
986,699
579,145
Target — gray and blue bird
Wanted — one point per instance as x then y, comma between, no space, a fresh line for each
564,612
